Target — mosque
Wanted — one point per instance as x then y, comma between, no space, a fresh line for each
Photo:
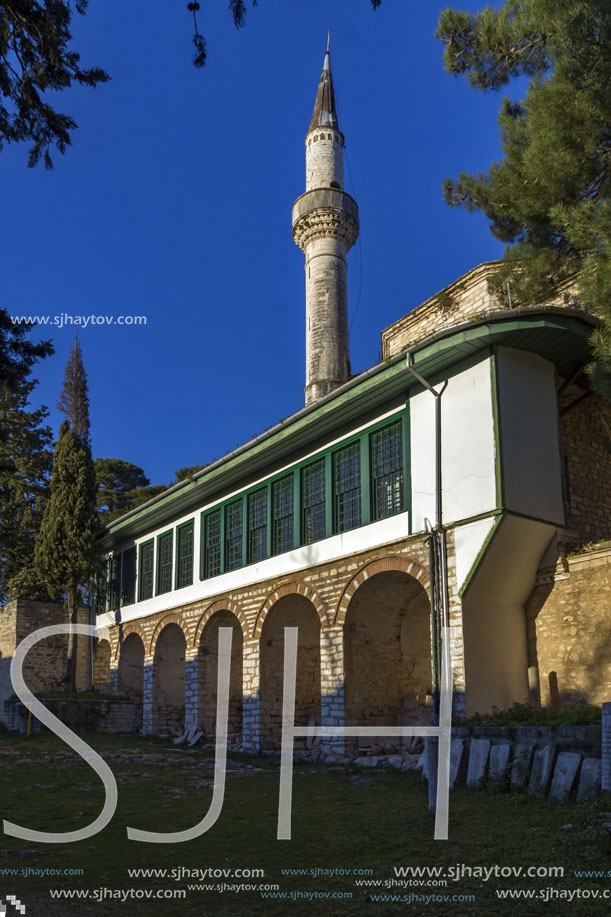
465,479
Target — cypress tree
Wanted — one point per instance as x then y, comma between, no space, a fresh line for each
66,547
74,399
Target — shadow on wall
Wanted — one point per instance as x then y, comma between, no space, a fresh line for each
569,636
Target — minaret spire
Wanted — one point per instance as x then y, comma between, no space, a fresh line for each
325,113
325,227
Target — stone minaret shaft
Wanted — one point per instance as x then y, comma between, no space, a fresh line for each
325,227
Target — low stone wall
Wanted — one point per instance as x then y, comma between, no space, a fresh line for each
556,761
44,667
108,714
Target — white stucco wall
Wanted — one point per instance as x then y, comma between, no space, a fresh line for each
494,623
530,439
468,447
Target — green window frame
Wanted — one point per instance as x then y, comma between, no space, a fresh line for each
146,570
234,535
313,502
283,514
387,476
257,525
185,537
128,579
101,589
114,582
212,543
165,546
347,488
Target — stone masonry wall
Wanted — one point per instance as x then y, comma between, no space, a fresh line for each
463,299
44,666
324,158
569,629
585,431
329,587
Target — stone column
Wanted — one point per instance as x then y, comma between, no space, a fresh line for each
114,680
251,729
605,782
191,688
147,696
332,685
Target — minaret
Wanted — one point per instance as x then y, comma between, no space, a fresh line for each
325,227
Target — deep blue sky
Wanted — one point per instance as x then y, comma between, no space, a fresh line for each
175,202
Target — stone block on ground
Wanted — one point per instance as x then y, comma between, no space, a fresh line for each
565,774
541,773
520,768
478,759
589,779
458,762
499,759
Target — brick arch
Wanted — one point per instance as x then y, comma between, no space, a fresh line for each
221,605
290,589
174,618
383,565
127,630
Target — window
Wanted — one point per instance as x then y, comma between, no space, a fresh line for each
313,525
347,488
145,574
233,535
128,585
212,544
282,515
114,582
257,526
164,562
184,555
101,589
387,471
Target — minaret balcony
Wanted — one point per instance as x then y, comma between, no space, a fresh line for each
325,211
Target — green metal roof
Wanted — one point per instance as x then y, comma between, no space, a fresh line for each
556,334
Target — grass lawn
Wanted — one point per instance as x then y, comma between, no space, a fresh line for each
343,818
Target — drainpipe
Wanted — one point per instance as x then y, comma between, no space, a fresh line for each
438,565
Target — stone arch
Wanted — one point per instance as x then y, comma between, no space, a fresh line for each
387,652
130,674
169,678
173,618
220,615
221,605
101,663
396,562
125,633
290,589
293,609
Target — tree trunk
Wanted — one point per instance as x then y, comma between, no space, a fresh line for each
72,640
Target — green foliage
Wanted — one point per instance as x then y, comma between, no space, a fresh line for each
549,197
17,353
186,473
74,399
35,59
65,549
121,486
25,457
26,584
525,715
